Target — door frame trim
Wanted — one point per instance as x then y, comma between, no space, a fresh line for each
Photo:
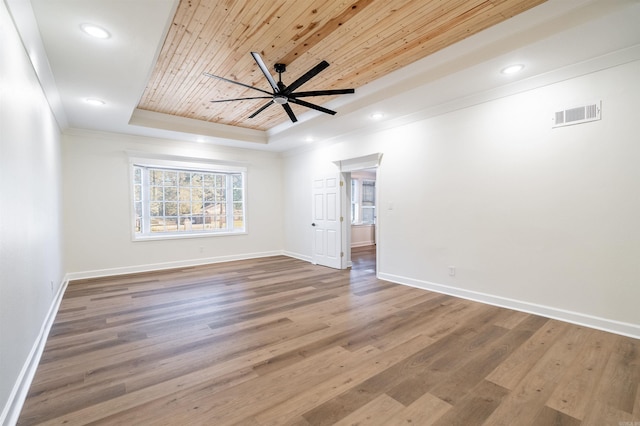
347,166
359,163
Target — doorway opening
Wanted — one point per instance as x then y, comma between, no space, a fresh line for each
361,218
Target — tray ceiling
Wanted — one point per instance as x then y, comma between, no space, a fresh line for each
362,40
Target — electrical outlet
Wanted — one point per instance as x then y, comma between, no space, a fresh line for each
452,271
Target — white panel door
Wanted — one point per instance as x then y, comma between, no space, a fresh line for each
326,221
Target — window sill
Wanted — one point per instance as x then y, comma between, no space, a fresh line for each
185,236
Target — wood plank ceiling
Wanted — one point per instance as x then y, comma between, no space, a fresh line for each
362,40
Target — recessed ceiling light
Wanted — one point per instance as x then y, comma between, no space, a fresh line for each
95,31
512,69
377,115
308,139
94,101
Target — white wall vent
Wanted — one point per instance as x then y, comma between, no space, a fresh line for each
577,115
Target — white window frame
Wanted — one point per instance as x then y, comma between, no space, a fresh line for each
355,203
192,165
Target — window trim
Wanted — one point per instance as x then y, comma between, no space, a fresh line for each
183,163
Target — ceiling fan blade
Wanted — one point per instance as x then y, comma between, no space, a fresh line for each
307,76
265,71
312,106
290,113
236,82
242,99
262,108
321,93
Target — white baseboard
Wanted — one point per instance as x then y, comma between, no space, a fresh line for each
168,265
18,395
604,324
363,243
298,256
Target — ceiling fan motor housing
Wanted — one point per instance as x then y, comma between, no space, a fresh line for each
280,100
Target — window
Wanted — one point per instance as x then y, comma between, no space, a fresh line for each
363,201
169,202
368,201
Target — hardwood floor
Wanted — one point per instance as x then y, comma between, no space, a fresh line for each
278,341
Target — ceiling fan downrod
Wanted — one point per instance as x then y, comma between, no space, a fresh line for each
280,99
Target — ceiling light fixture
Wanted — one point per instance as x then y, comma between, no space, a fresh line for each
512,69
95,31
95,101
377,115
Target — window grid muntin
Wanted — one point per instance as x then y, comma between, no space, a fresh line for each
237,195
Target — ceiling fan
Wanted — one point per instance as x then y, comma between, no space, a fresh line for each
283,94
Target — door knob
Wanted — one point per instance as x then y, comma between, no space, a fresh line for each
313,224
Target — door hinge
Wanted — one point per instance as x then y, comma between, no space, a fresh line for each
341,219
341,183
341,254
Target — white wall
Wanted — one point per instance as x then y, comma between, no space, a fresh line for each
97,207
536,218
30,213
363,235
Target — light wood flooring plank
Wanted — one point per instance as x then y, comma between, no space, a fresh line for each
376,413
583,376
313,397
510,372
425,411
530,396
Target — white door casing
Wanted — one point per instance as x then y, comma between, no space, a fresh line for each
326,221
